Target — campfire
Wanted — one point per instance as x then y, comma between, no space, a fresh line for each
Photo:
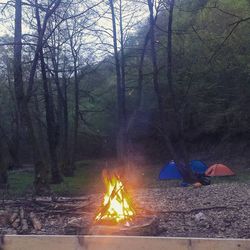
117,206
117,215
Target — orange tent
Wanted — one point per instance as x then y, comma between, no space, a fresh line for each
219,170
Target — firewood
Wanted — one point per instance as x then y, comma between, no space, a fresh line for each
25,226
13,217
35,222
16,223
4,217
23,221
66,199
21,213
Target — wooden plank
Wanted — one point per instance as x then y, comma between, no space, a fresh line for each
54,242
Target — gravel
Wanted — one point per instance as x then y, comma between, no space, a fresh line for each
217,211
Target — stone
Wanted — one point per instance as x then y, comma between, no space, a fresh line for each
200,217
146,225
74,226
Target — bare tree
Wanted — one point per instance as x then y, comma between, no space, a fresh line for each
41,172
162,113
121,139
50,114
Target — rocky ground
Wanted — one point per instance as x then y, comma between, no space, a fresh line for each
218,210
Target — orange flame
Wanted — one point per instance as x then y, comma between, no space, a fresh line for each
116,205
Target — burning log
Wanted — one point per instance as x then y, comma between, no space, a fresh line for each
117,206
117,215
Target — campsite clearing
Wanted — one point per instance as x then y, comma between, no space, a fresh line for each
221,209
218,210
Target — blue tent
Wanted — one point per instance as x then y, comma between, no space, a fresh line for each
198,166
170,171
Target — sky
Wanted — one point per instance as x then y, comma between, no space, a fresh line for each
129,16
7,18
5,27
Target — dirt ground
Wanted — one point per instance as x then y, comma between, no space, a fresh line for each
218,210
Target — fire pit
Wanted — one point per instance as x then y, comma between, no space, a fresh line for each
117,214
142,225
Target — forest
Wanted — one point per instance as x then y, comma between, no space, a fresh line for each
79,80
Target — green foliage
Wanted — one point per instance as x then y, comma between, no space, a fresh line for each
210,67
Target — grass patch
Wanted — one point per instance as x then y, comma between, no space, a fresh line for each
20,183
87,179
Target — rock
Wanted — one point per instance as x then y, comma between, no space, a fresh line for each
200,217
74,226
44,198
75,222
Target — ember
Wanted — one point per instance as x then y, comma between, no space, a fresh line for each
117,206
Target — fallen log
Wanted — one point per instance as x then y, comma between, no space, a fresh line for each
35,222
13,217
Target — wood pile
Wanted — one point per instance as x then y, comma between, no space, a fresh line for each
36,215
20,220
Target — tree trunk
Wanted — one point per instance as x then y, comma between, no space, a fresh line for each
60,101
41,184
183,154
132,118
3,168
14,146
67,169
18,82
76,115
121,139
18,78
41,173
51,126
156,83
50,115
41,132
63,120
